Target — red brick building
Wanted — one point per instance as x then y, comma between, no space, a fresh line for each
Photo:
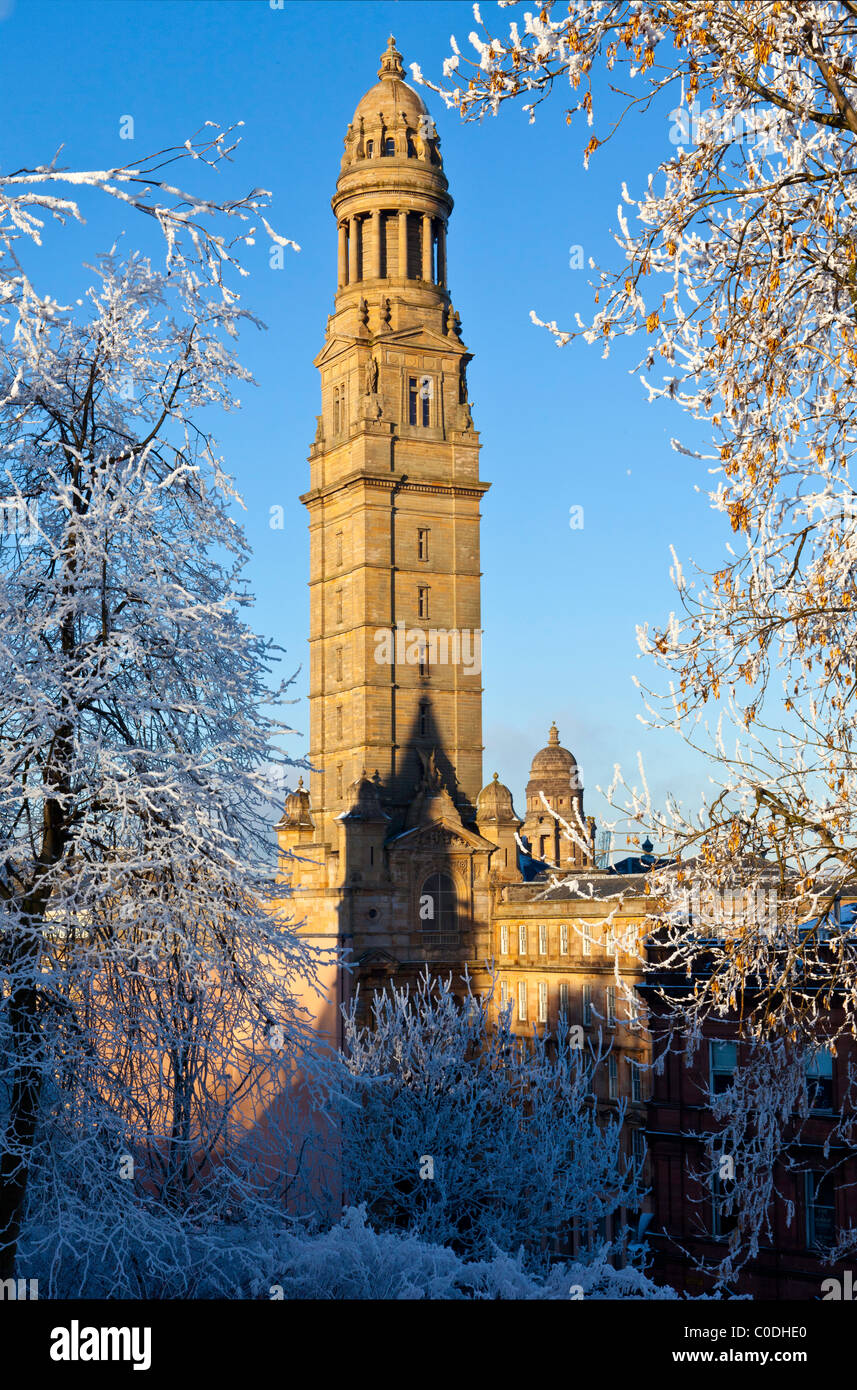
815,1185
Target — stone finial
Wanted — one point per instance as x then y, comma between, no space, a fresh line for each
553,735
391,63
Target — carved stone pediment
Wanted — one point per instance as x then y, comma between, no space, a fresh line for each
438,835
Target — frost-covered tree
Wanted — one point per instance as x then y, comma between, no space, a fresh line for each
736,265
147,1000
468,1136
352,1260
737,268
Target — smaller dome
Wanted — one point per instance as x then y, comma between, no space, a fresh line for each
494,804
364,800
296,814
552,759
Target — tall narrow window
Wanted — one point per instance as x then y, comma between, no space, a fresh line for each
423,663
339,721
339,547
389,146
522,1001
820,1209
504,994
543,1001
336,410
722,1061
563,939
612,1077
522,939
563,999
610,941
611,1006
424,719
370,148
636,1080
587,1006
543,939
634,1020
504,938
426,392
439,906
586,939
819,1078
413,398
339,605
422,544
638,1145
339,782
723,1220
422,601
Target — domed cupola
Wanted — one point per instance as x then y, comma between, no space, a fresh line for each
364,802
494,804
392,120
555,776
392,199
553,769
497,822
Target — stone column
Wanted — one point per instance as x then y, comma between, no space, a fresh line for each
342,267
403,244
441,254
427,248
353,263
378,232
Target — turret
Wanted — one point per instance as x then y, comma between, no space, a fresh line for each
554,774
497,822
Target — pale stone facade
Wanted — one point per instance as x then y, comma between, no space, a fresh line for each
395,855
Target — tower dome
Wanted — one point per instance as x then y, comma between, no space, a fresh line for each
555,779
364,801
494,804
392,201
553,763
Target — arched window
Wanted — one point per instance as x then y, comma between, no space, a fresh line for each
390,145
370,148
439,905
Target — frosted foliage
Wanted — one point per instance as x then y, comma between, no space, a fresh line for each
348,1260
354,1261
470,1137
734,272
141,969
736,267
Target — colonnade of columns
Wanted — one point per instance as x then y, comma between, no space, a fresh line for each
351,262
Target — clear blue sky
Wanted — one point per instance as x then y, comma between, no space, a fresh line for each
559,428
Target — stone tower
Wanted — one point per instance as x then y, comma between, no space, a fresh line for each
390,859
395,491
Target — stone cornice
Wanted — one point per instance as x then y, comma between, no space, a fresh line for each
387,484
